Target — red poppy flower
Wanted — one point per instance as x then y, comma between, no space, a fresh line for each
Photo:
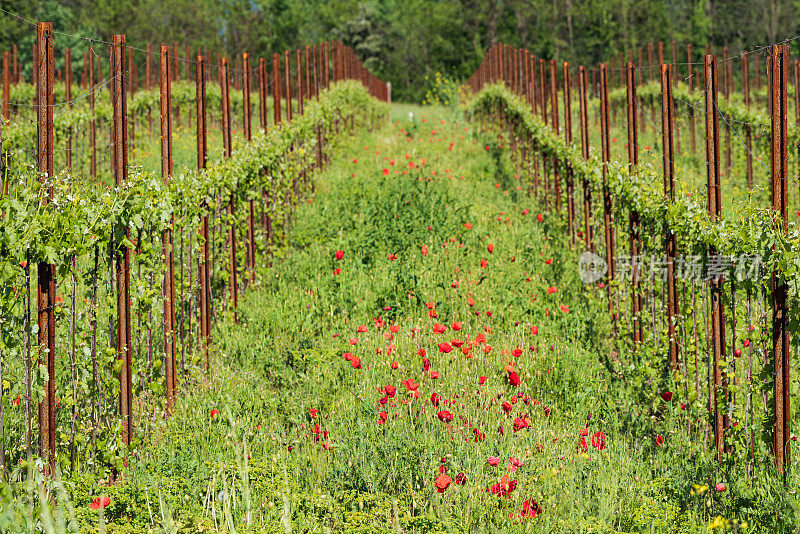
504,487
539,217
214,413
530,509
347,356
551,290
521,422
456,342
583,432
667,396
481,380
457,325
599,440
468,226
442,483
337,271
314,412
392,257
470,301
339,254
410,385
490,248
549,261
720,487
582,446
445,348
564,308
461,478
355,361
16,401
385,172
484,263
100,502
435,398
445,416
439,328
659,439
513,378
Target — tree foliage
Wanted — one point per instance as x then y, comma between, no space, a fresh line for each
404,41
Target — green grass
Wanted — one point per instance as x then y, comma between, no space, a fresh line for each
257,466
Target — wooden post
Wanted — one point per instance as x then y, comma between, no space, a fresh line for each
169,255
633,216
715,285
120,165
778,80
668,157
46,273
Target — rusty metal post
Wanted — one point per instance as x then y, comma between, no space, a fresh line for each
796,76
298,67
584,124
246,88
120,165
262,93
690,68
726,86
670,241
650,61
227,152
554,125
748,129
130,88
169,254
204,257
276,88
16,64
778,81
715,285
6,85
633,217
315,70
543,110
608,207
251,229
92,121
68,100
287,60
46,273
308,72
568,142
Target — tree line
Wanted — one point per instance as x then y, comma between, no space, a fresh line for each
404,41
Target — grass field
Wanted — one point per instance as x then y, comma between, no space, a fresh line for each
423,359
